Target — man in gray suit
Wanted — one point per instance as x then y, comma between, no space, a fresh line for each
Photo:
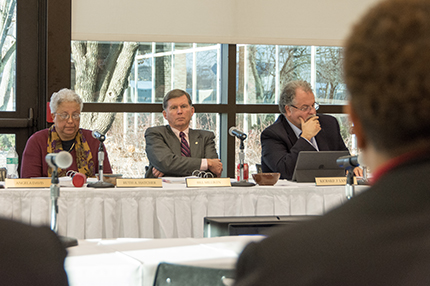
167,152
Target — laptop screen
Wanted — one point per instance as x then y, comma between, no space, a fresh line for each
311,164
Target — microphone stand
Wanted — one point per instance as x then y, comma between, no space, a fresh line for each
349,187
242,182
100,183
55,193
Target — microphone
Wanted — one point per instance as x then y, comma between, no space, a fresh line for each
61,160
78,179
97,135
239,134
349,161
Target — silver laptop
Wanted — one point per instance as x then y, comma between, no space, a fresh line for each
311,164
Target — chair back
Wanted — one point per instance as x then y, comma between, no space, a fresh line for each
169,274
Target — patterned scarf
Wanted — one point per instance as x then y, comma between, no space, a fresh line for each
84,158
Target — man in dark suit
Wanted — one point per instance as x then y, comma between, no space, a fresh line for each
382,236
298,128
167,154
30,255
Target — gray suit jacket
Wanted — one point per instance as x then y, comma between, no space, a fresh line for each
163,149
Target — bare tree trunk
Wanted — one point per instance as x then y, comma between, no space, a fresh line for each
102,80
258,92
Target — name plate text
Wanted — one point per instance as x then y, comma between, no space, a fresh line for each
332,181
148,183
28,183
208,182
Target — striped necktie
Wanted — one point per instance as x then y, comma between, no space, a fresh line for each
185,148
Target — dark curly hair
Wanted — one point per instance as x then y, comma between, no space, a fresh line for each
387,72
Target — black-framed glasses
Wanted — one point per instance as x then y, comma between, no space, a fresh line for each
307,108
66,116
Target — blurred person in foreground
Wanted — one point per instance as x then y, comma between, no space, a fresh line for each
166,152
30,256
298,128
64,135
381,236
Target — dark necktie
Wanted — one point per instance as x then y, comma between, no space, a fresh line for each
185,148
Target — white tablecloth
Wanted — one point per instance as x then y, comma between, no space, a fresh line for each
173,211
134,261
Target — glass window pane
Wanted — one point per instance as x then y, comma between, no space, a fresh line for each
125,142
345,130
252,125
330,88
8,55
263,70
183,46
163,47
140,90
144,72
144,48
162,76
207,121
206,73
183,66
7,141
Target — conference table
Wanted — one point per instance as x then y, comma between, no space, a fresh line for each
173,211
126,261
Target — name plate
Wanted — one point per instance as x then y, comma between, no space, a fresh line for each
208,182
332,181
148,183
28,183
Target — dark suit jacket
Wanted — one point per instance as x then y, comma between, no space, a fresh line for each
30,255
280,145
163,149
380,237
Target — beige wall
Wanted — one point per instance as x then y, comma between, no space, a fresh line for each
290,22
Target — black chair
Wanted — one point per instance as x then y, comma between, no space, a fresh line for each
169,274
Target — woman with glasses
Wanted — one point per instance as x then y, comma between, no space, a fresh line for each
63,135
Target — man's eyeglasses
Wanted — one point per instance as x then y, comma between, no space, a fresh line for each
66,116
307,108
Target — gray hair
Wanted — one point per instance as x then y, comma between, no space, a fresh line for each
64,95
174,93
288,93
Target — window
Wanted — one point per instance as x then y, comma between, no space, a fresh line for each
8,55
263,70
21,88
123,85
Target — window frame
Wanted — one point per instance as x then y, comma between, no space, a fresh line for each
227,109
58,71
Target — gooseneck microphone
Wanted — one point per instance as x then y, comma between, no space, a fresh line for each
348,161
242,136
97,135
100,156
61,160
239,134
